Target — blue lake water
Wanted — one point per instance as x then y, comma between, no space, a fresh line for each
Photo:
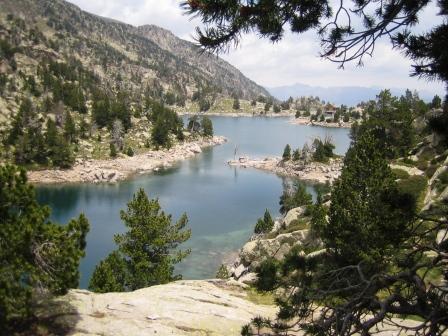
222,202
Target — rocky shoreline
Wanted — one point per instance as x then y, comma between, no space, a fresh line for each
237,114
313,171
307,121
114,170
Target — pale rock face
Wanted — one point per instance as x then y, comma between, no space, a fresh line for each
239,271
204,307
248,278
292,215
196,149
254,252
410,170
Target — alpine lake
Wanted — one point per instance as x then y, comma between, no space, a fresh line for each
222,202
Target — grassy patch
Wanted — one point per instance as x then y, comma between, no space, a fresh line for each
296,225
400,173
260,298
442,181
416,186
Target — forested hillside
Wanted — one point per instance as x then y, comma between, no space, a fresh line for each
68,77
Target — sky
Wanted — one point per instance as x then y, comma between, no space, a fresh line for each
295,59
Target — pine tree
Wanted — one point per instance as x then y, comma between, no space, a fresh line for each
193,124
36,254
207,126
236,103
294,197
160,134
70,131
113,150
361,260
62,154
365,221
146,253
265,224
21,121
287,153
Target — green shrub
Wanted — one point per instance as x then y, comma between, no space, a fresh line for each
442,181
415,186
223,272
400,173
265,224
113,150
130,152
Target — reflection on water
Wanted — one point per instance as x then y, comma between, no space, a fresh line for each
222,202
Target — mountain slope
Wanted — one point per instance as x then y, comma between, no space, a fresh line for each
76,85
224,74
113,49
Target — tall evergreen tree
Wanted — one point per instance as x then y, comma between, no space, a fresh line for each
287,153
70,131
36,254
207,126
146,253
363,234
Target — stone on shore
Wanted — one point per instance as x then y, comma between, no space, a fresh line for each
122,167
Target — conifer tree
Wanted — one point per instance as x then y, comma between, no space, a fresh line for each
146,253
70,131
207,126
363,233
36,254
287,153
236,103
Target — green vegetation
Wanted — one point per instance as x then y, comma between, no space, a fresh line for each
415,186
294,196
32,146
442,181
236,103
264,224
38,256
323,150
287,153
207,126
364,230
146,253
400,174
301,223
391,119
223,272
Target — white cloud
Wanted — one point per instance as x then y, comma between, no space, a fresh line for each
293,60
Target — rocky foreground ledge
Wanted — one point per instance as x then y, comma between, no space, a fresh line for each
313,171
196,307
114,170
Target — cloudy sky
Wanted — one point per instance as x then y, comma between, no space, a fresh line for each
293,60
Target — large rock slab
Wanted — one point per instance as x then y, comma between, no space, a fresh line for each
292,215
203,307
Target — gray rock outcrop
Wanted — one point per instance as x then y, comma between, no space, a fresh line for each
205,307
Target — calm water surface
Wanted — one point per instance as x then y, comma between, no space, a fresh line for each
222,202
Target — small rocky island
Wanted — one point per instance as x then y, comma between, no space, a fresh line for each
313,163
312,171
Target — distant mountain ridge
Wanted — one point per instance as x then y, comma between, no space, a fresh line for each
224,74
139,54
347,95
